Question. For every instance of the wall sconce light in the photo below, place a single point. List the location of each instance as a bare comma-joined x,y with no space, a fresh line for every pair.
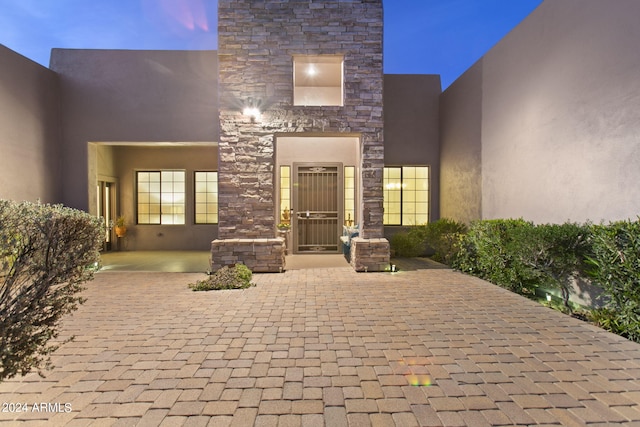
252,109
252,112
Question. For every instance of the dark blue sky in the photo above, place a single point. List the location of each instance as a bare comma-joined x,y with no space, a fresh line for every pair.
421,36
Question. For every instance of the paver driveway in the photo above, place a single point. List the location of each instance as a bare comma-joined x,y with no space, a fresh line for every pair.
328,347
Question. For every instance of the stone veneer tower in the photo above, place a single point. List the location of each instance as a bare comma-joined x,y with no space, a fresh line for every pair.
258,40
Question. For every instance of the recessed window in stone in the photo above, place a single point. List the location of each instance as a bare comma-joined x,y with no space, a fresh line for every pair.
285,195
349,195
318,80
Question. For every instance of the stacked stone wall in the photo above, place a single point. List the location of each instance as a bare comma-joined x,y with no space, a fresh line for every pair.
257,42
370,254
260,255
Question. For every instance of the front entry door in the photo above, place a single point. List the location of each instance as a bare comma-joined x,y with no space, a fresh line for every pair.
317,201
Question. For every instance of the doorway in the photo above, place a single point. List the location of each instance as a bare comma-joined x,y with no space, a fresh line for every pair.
317,190
317,201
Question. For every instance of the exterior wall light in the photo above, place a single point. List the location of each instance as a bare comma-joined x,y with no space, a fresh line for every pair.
252,112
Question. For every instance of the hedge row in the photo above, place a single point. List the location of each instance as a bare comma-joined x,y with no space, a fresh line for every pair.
524,257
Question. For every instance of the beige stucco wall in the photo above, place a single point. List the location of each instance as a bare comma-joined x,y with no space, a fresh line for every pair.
560,116
29,136
131,96
460,151
411,128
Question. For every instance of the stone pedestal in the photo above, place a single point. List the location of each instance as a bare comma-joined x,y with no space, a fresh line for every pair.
370,254
260,255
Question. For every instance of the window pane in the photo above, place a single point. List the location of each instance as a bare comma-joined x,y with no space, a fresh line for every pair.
417,184
206,196
422,172
422,197
158,192
406,195
285,195
394,219
349,196
392,195
408,172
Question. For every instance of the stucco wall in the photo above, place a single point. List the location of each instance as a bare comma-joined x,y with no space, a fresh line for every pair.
561,115
29,133
411,128
131,96
460,151
560,123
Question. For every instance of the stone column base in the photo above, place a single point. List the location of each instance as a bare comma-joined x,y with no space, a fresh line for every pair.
260,255
370,254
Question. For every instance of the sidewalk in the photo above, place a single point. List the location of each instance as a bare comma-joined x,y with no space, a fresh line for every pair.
328,347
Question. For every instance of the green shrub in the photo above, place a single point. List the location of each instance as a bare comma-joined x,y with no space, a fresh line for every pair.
46,253
443,236
557,253
614,264
493,250
237,277
522,257
406,244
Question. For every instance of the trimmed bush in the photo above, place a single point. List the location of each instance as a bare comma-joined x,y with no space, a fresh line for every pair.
614,264
443,236
46,253
407,244
237,277
494,250
557,253
522,257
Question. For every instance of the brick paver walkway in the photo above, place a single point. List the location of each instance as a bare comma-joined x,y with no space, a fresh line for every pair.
328,347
